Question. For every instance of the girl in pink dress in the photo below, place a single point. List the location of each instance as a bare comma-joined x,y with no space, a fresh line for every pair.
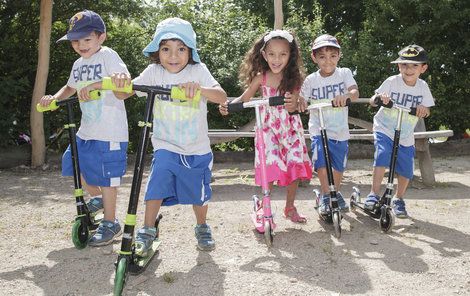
274,66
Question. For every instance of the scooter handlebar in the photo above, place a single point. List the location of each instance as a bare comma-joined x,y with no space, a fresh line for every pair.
378,102
235,107
174,92
55,104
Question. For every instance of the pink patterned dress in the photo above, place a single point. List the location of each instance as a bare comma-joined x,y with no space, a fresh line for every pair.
287,157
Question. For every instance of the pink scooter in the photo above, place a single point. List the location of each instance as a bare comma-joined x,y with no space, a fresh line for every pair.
262,215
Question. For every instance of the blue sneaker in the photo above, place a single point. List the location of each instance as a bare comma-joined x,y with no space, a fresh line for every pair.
343,206
95,205
370,201
144,240
204,237
324,205
105,234
398,206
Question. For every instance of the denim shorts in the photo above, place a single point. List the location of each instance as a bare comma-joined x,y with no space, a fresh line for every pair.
338,151
101,163
180,179
383,153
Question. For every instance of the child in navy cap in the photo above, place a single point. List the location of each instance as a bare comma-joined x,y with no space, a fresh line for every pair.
102,138
407,90
182,160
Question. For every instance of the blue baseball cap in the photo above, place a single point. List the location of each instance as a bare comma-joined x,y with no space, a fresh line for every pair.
82,24
173,28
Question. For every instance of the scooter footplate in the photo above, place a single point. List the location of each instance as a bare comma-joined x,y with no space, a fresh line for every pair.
142,262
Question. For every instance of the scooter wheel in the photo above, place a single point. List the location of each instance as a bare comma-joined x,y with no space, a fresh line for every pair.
387,220
337,224
120,278
268,234
80,234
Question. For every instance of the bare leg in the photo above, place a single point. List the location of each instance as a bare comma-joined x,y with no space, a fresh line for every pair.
377,178
109,203
151,211
201,213
92,190
402,185
323,176
291,191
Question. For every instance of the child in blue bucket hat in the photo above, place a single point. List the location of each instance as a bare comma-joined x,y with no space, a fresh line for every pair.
182,160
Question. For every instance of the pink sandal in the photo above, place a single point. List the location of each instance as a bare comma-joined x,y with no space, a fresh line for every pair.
292,214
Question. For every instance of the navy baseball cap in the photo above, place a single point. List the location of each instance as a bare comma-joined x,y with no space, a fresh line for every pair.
82,24
412,54
173,28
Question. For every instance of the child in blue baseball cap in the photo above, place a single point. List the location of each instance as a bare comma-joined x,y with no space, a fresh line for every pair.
182,160
102,138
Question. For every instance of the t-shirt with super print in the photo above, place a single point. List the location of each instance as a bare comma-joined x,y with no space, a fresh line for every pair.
103,119
179,126
403,95
318,89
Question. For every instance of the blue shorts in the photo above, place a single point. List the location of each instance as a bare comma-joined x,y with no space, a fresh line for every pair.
338,154
180,179
383,153
101,163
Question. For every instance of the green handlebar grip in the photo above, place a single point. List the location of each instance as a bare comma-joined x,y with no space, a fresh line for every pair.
180,94
95,94
108,85
52,106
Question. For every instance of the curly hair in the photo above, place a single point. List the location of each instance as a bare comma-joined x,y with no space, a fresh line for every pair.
254,63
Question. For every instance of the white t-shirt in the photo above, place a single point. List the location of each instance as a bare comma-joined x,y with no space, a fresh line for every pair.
179,126
401,94
104,119
318,89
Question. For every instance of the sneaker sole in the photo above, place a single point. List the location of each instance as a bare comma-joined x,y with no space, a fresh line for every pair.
206,248
108,242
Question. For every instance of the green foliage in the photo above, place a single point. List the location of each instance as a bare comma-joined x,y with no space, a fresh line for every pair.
370,31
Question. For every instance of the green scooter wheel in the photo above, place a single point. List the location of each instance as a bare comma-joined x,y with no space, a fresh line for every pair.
120,278
80,234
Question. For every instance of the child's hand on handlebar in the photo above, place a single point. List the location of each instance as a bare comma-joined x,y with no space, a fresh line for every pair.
290,101
121,80
340,101
422,111
223,108
190,89
84,93
383,96
46,100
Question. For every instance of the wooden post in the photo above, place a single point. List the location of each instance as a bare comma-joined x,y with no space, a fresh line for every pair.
38,152
278,15
424,156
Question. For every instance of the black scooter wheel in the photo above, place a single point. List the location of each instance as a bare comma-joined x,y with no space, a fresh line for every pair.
387,220
80,234
120,278
337,224
268,234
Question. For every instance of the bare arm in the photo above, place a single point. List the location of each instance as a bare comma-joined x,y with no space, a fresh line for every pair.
214,94
65,92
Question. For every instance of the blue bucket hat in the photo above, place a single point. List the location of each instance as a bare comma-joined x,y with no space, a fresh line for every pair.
174,28
82,24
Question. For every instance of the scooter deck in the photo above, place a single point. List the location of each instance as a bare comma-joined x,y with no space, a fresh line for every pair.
373,214
142,262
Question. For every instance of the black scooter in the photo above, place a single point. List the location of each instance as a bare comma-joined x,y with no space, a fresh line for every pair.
85,221
128,261
382,209
334,216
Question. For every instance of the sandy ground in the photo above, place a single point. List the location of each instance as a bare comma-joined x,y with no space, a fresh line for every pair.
428,254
